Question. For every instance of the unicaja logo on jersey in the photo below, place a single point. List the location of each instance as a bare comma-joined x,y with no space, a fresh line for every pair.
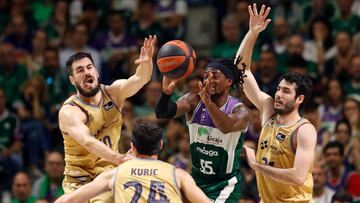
207,152
204,137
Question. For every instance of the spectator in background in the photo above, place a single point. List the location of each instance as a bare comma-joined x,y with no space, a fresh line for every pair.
266,74
317,8
231,32
289,10
12,74
41,12
117,46
318,47
181,159
279,42
10,144
341,196
49,185
90,15
19,36
42,200
345,20
339,65
337,174
21,189
242,16
321,193
171,14
151,95
79,43
351,112
343,136
312,114
330,108
35,60
58,23
296,48
145,23
4,15
33,111
352,85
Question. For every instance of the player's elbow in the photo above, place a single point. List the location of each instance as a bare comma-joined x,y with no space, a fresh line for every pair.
87,143
299,181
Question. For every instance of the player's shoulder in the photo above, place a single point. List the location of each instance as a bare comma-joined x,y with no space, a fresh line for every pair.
69,111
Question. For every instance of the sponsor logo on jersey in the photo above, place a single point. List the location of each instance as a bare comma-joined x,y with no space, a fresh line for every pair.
264,144
108,105
280,136
209,152
206,138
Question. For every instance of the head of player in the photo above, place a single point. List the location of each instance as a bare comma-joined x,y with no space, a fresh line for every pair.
224,74
292,91
83,74
146,140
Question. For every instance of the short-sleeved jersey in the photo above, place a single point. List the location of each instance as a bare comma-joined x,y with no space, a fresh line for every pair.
146,180
275,149
104,122
214,155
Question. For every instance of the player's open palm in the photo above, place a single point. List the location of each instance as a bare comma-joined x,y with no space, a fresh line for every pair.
147,50
258,21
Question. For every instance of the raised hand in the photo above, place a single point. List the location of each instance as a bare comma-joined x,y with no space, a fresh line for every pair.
205,89
147,50
258,21
169,85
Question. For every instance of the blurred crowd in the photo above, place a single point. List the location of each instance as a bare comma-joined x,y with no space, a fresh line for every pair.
318,38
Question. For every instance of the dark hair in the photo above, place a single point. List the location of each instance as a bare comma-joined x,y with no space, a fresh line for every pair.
343,121
303,83
146,137
90,5
334,144
342,196
237,73
143,2
296,60
76,57
328,39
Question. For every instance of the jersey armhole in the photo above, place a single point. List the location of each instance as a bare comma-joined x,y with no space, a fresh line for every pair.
293,135
108,95
194,112
176,183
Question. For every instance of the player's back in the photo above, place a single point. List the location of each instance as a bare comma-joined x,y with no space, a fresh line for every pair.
146,180
104,122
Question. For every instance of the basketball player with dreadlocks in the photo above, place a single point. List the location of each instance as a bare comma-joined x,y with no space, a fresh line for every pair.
217,124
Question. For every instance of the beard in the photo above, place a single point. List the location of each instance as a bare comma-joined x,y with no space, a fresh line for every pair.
288,107
90,93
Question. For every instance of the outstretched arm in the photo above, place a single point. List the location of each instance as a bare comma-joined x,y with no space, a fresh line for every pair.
124,88
304,158
99,185
189,189
261,100
71,121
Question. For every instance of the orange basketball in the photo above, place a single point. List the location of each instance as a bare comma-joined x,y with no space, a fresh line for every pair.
176,59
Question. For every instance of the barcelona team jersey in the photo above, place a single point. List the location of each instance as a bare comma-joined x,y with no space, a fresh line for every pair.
146,180
104,122
275,149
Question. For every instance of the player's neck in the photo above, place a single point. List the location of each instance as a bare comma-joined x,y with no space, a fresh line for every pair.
287,119
95,100
219,100
144,156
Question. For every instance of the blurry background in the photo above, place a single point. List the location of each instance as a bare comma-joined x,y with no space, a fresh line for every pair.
319,38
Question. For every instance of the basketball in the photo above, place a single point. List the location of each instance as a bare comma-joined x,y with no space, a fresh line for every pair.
176,59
